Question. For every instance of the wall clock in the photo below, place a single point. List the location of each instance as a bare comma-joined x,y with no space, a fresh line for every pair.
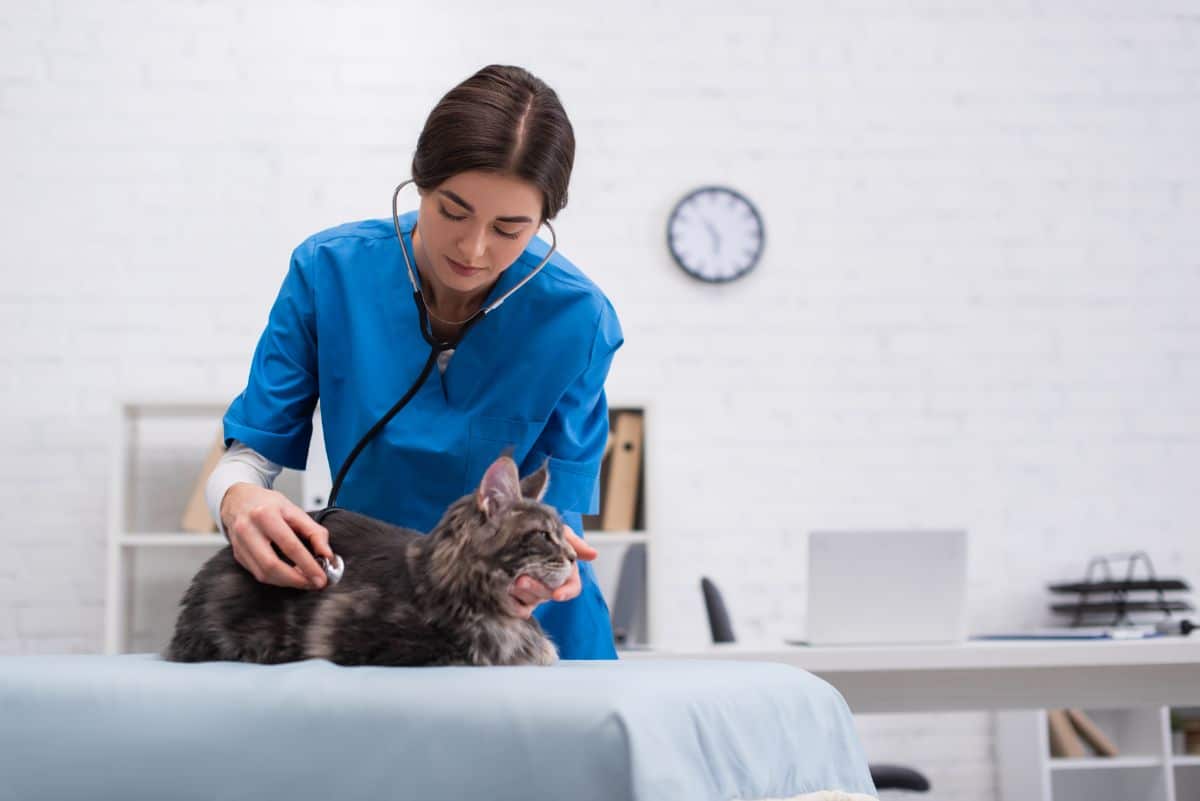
715,234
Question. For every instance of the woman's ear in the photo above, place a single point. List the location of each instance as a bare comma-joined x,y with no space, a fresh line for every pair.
534,485
500,487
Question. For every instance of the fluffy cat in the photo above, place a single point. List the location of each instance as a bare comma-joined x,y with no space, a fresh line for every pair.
405,598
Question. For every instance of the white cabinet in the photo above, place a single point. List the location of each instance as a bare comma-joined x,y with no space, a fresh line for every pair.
1147,768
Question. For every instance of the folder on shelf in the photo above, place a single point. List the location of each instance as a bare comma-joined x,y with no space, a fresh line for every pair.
1091,733
1064,741
625,460
196,517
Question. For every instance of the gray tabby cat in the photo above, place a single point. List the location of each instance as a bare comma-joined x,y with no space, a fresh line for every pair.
405,599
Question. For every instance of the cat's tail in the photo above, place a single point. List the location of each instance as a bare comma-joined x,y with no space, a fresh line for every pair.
191,641
185,648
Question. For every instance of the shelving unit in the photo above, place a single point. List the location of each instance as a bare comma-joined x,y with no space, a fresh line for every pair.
1147,769
158,451
131,531
125,483
615,546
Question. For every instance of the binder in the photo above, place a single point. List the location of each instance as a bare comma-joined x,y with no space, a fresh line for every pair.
196,517
1091,733
621,493
1064,742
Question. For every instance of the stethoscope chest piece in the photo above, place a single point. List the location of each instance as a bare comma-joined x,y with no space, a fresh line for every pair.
333,570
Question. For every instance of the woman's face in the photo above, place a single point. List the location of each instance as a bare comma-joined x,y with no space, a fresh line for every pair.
472,227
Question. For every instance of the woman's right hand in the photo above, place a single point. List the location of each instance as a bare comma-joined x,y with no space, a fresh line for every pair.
254,517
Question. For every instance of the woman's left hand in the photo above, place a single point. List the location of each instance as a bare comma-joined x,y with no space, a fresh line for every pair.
528,592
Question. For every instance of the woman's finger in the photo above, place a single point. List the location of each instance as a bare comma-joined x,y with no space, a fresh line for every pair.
244,558
316,534
529,590
524,600
277,528
569,588
256,556
272,569
582,550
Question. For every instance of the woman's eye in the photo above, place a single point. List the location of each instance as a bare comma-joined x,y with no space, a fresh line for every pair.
450,216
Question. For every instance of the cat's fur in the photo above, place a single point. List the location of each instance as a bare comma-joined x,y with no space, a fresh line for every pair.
405,598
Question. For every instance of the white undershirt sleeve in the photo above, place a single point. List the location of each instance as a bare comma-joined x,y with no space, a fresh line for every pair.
238,464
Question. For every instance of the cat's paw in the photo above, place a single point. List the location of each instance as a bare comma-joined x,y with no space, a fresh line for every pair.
546,654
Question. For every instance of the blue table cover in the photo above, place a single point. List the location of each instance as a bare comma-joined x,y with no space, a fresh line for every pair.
138,727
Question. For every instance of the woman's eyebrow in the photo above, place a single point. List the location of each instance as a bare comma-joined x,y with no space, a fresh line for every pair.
471,208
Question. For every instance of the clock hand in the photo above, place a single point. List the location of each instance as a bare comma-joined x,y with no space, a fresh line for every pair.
712,230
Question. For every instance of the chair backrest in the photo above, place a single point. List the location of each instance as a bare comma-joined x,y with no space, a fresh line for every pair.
718,615
629,601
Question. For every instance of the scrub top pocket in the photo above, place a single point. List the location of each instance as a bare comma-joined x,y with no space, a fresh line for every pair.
488,439
574,486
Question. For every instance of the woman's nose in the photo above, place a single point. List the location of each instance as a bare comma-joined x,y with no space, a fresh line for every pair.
473,246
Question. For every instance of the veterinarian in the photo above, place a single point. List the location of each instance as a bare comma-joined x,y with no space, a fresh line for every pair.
491,167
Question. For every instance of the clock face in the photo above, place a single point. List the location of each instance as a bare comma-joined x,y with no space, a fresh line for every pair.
715,234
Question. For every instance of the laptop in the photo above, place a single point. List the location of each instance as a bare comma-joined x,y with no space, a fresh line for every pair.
887,587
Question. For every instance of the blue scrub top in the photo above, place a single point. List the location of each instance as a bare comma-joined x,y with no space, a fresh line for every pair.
530,375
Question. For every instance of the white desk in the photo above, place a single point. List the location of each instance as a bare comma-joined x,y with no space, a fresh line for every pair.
987,674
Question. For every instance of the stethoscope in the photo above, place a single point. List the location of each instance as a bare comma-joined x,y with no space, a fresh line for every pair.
437,347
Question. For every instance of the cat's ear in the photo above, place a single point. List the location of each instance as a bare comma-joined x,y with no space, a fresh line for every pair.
500,488
535,484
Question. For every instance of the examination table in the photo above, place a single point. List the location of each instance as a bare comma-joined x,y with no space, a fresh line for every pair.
138,727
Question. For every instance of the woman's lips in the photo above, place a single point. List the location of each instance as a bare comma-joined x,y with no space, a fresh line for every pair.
463,270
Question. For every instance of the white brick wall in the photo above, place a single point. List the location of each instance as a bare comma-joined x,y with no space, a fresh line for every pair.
977,305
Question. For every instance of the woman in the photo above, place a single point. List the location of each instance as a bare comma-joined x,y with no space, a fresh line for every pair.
491,167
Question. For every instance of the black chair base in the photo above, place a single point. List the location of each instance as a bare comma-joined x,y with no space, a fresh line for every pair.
895,777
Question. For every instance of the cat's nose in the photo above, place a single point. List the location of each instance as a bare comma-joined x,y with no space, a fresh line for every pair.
570,553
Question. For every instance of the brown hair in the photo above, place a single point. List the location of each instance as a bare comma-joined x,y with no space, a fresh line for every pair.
501,119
